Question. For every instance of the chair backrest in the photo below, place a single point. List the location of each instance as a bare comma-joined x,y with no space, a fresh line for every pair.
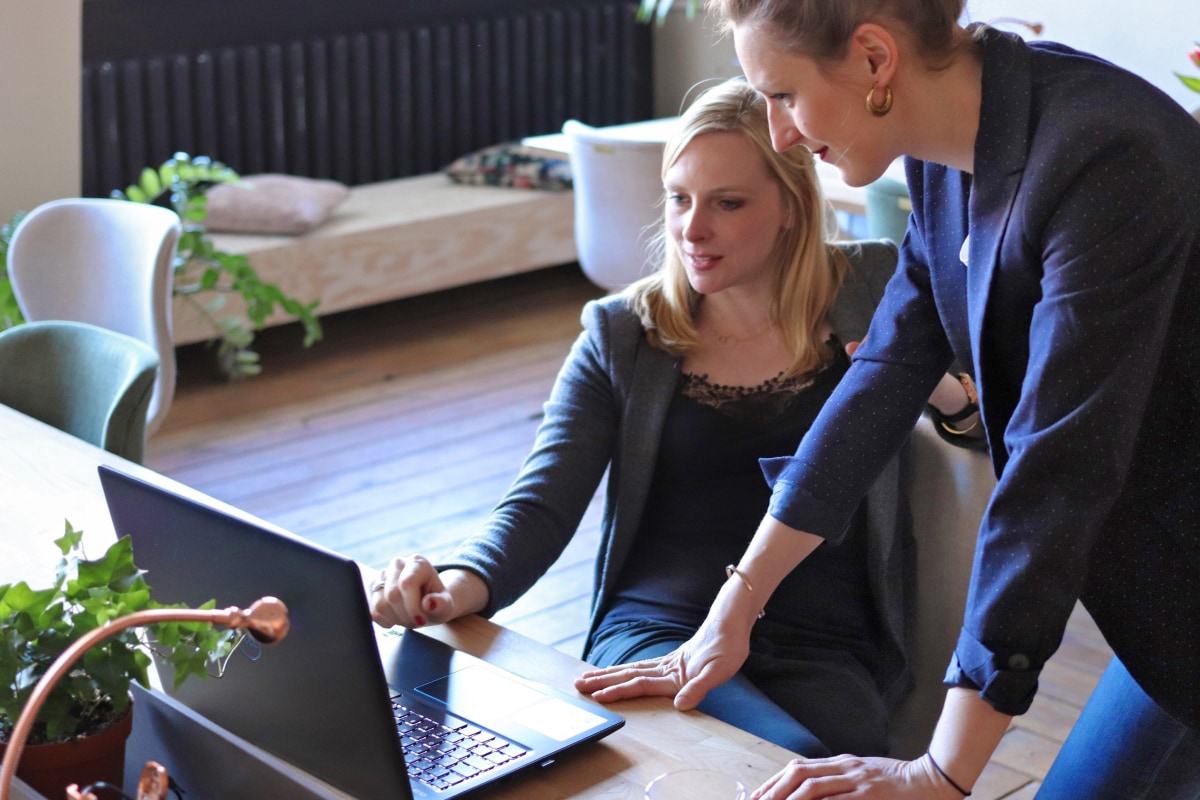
888,209
618,203
104,262
83,379
948,490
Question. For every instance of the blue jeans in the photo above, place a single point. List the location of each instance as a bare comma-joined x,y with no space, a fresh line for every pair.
1124,747
815,702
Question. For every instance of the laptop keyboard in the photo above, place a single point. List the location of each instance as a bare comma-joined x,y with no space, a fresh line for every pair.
444,753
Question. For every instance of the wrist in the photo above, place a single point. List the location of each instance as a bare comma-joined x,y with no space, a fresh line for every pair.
941,777
955,397
469,594
735,610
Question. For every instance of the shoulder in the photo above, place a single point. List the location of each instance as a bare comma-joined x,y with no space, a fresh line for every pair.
612,324
1071,96
612,312
871,264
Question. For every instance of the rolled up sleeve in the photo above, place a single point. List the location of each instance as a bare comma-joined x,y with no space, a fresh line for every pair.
1007,681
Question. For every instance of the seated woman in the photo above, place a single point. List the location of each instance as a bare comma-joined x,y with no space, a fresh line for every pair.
677,386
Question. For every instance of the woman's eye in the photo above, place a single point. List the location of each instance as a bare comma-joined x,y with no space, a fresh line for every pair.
730,205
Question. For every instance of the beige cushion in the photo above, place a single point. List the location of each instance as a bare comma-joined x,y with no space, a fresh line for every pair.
279,204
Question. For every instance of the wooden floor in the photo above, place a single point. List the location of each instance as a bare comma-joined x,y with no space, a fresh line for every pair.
399,432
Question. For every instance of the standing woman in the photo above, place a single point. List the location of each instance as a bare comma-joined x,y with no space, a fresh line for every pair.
1054,250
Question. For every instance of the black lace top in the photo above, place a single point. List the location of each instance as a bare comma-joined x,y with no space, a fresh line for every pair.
707,498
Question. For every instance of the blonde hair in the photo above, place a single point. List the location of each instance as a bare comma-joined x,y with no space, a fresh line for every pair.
821,29
808,270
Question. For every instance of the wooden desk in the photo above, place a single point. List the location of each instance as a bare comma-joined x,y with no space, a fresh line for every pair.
47,475
841,196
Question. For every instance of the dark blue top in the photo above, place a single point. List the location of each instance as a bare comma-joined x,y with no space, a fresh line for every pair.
706,500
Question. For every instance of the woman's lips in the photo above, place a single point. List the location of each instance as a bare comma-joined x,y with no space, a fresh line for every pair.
703,262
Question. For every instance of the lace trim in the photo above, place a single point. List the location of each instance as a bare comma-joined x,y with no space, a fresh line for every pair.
766,402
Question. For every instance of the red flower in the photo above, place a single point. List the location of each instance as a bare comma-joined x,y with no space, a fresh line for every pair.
1188,81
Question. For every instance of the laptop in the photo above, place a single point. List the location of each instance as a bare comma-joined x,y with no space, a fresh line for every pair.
380,715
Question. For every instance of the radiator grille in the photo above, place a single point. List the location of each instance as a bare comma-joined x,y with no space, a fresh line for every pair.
366,106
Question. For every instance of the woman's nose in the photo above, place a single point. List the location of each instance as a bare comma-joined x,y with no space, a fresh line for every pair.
784,133
695,227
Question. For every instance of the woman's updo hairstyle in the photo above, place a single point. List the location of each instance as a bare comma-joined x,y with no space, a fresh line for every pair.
820,29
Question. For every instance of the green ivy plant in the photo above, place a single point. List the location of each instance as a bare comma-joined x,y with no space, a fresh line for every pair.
657,10
204,275
37,625
10,312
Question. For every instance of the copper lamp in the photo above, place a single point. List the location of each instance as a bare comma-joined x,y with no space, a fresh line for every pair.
266,620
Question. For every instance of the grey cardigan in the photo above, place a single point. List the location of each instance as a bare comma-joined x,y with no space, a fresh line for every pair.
606,411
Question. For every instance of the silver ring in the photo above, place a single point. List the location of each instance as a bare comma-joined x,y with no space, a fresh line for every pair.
377,587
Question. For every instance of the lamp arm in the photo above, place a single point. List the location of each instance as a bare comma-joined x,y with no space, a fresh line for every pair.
266,620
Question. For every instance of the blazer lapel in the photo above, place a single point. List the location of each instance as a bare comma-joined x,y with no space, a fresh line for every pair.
1000,156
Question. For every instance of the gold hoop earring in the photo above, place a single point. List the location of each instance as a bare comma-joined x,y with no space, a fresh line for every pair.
884,107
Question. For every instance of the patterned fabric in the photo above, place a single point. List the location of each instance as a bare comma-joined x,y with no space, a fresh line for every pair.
511,165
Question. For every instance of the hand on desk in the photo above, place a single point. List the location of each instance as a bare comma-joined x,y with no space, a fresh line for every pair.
687,674
411,593
878,778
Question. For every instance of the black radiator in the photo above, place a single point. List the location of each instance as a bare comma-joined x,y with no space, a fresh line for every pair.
356,100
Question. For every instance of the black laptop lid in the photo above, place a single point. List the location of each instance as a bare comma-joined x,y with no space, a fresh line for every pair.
325,706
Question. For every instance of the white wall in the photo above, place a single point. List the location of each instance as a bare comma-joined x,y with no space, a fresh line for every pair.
1149,37
687,52
40,96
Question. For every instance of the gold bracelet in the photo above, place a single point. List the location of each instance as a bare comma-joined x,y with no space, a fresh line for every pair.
730,571
968,429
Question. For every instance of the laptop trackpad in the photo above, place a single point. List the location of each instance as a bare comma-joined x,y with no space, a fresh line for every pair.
481,691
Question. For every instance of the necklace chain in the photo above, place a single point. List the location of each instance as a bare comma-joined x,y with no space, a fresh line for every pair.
731,340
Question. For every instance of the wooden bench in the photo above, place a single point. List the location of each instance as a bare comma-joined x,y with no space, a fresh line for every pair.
401,238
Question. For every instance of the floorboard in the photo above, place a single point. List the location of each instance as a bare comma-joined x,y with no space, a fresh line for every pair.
400,431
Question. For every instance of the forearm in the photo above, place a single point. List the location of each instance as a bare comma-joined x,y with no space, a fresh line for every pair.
775,551
967,734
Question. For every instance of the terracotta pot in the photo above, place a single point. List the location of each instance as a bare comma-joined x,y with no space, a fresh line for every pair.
50,768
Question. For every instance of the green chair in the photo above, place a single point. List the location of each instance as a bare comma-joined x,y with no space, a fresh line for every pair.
888,208
88,381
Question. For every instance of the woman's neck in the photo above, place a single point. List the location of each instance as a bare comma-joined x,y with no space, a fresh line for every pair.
940,118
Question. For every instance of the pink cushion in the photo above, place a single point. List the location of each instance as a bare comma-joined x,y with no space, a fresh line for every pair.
273,204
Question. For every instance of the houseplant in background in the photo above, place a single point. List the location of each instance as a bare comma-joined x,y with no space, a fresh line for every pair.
10,312
1189,81
204,275
38,625
658,10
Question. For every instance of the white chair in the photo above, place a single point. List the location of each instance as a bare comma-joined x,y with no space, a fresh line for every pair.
949,489
105,262
618,203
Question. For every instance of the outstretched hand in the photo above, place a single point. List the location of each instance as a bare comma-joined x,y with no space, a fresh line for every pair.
866,778
687,673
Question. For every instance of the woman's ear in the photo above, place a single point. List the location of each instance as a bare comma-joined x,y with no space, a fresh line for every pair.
874,49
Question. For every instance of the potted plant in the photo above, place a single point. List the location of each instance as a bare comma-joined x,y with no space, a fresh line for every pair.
204,275
92,701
